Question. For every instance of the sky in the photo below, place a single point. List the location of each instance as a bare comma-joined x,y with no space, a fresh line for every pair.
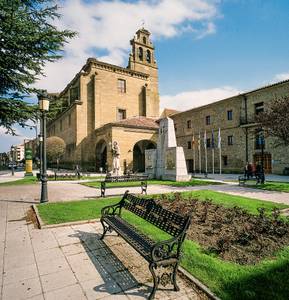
206,50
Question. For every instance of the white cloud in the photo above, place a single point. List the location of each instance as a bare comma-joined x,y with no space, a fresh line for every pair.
190,99
107,26
281,77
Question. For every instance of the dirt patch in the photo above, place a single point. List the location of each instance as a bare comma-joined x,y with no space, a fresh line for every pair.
232,233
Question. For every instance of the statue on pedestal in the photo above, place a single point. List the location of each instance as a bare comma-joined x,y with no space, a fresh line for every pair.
116,159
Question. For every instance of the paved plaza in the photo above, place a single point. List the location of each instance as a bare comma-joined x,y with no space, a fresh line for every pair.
70,262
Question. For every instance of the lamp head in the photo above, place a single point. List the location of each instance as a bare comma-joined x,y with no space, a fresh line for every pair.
43,100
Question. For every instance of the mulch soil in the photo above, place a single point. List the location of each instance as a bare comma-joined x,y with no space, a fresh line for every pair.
232,233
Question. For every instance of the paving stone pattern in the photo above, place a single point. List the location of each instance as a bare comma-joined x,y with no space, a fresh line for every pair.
71,263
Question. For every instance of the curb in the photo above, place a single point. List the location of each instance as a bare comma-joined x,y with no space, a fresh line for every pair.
198,283
41,224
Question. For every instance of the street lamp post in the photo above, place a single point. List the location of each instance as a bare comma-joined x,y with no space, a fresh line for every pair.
12,160
43,102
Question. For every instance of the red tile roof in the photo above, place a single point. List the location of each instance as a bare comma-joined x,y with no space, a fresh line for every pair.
140,122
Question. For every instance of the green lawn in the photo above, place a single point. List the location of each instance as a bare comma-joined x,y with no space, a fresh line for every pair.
271,186
25,180
32,180
266,280
61,212
193,182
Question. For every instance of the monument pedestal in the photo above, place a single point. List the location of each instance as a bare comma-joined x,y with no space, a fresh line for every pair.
167,162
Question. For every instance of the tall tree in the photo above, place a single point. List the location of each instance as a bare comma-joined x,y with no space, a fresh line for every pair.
275,120
28,39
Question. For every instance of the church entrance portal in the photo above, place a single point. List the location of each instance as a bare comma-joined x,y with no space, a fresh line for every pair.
139,154
101,156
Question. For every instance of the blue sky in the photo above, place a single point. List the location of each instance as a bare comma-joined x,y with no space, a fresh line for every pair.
206,50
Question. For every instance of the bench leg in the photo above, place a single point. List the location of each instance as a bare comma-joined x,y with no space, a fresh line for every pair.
155,279
105,229
174,278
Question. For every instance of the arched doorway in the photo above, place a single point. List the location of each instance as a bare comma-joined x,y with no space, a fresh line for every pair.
139,154
101,156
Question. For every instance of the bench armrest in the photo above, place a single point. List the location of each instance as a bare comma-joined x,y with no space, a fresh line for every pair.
166,249
111,210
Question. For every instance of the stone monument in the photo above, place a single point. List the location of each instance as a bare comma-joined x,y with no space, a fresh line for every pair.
167,162
116,169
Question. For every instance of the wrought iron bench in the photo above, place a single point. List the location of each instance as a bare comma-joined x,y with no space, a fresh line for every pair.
164,256
242,180
259,179
125,178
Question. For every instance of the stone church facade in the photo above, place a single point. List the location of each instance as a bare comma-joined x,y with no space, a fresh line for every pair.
104,103
240,134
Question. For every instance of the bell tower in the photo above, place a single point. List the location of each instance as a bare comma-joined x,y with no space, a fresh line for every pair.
142,59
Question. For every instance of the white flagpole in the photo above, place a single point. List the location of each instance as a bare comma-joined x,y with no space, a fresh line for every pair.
220,149
213,160
194,155
213,152
206,156
200,159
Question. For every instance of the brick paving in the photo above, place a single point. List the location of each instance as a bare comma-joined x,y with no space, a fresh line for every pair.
70,263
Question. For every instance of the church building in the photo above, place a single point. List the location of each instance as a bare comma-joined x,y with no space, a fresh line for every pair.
104,103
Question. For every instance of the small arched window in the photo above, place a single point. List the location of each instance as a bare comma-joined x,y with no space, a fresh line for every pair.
140,53
144,40
148,56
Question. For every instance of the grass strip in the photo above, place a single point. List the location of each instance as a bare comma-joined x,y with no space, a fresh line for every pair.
271,186
193,182
23,181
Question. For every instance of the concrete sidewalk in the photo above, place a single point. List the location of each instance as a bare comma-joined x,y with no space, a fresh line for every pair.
70,263
69,191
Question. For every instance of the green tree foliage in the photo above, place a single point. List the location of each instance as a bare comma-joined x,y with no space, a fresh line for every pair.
55,147
275,120
28,39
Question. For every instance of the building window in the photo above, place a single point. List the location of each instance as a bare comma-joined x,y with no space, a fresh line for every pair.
259,107
69,119
140,53
229,115
189,145
208,143
225,160
148,56
144,40
74,93
208,120
189,124
230,140
121,114
121,86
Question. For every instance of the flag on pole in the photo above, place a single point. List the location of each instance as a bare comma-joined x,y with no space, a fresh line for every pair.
220,149
199,150
219,138
194,154
193,141
205,146
213,152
